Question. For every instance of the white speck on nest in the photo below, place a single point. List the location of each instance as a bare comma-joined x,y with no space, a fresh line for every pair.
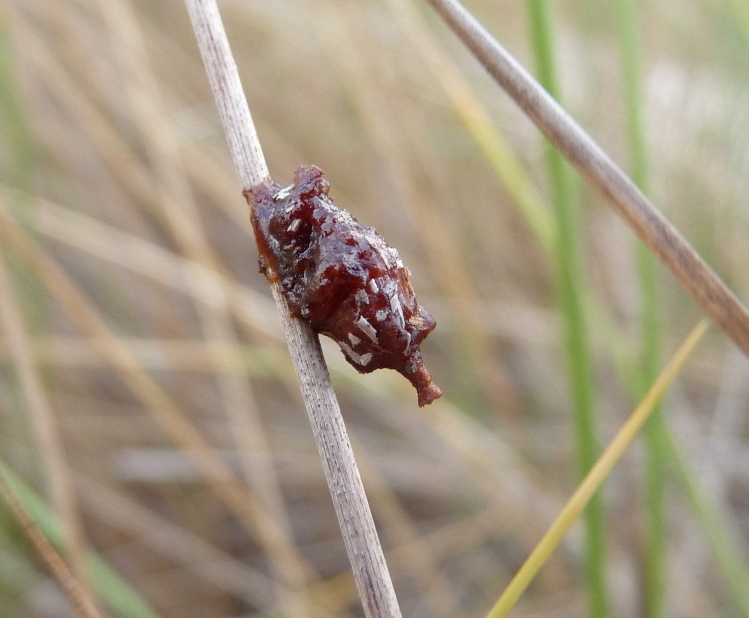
283,193
395,305
367,329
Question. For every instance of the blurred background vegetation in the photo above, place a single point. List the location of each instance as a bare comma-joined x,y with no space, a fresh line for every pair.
141,359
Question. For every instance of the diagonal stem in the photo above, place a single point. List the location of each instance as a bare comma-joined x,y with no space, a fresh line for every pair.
354,516
599,170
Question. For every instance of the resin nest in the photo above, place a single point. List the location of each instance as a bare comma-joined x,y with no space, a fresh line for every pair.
342,277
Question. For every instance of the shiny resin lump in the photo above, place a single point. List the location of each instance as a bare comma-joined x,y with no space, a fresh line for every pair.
342,277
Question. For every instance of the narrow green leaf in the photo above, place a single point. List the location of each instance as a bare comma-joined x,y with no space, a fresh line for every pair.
570,285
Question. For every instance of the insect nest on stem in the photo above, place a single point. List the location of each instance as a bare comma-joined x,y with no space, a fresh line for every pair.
342,277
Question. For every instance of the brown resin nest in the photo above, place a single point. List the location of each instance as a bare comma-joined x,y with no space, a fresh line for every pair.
342,277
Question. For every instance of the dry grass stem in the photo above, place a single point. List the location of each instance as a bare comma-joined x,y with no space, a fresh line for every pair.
354,516
600,171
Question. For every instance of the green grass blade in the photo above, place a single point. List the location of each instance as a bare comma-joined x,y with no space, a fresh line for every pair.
570,292
108,585
655,530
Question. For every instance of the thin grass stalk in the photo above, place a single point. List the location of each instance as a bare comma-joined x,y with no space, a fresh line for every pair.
344,481
79,599
109,586
601,173
570,286
598,473
655,495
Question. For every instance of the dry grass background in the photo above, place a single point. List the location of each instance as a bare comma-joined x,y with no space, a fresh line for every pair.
152,335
